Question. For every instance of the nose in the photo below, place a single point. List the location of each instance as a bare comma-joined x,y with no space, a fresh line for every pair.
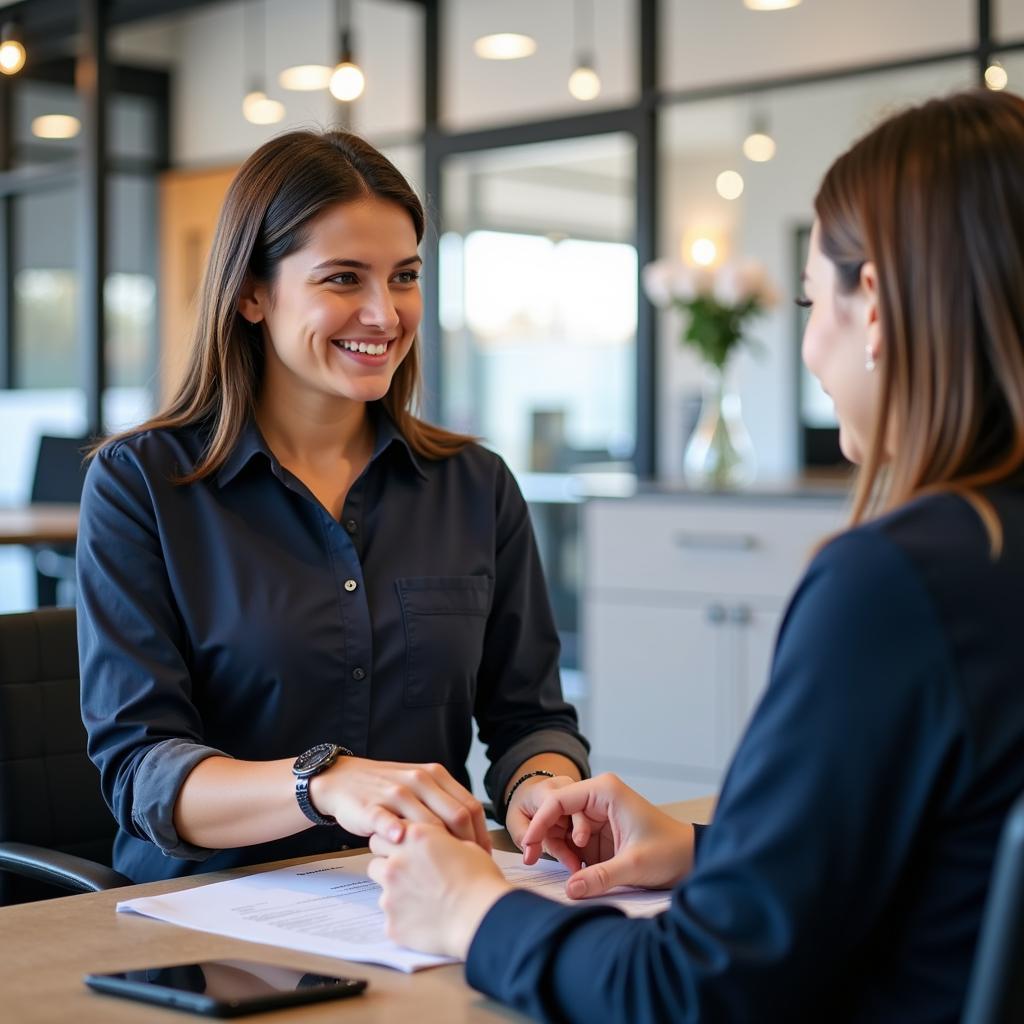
379,311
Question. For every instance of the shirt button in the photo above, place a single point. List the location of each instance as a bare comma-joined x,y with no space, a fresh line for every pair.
351,525
358,674
350,585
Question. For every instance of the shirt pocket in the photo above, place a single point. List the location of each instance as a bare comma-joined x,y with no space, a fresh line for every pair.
445,618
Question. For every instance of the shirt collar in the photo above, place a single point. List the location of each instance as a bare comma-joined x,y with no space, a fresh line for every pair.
388,434
251,443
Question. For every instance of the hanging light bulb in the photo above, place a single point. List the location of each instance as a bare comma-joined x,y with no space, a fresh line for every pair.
759,146
257,106
996,77
347,81
12,51
703,252
729,184
584,83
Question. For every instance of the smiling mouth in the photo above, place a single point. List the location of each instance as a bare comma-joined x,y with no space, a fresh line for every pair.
363,346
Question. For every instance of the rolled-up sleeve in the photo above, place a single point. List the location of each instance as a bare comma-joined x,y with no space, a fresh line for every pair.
144,733
519,708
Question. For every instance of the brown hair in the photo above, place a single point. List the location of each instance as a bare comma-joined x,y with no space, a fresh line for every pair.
934,197
265,217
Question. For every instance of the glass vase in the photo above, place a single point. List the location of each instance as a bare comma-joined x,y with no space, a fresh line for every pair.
719,454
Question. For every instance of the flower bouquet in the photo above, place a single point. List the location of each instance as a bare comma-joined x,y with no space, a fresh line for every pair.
716,305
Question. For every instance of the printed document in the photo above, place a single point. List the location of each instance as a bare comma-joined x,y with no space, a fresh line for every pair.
329,907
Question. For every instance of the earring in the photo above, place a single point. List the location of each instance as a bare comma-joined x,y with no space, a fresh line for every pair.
869,362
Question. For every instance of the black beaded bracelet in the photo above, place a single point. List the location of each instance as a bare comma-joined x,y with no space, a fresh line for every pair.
522,779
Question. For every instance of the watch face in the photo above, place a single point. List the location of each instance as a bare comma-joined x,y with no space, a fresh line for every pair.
314,759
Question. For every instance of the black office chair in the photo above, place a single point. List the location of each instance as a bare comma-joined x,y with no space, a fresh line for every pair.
56,833
995,994
59,477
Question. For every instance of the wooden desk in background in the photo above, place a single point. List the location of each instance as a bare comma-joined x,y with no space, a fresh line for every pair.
39,524
47,947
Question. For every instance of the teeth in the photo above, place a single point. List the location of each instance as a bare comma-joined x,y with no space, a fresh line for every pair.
361,346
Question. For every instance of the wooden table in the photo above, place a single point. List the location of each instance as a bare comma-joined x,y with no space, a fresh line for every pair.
46,948
39,524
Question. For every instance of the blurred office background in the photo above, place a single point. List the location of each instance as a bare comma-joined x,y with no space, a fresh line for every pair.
548,191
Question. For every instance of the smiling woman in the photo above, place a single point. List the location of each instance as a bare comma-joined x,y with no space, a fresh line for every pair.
288,560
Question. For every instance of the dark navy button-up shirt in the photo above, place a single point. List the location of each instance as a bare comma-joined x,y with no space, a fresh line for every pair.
845,873
235,615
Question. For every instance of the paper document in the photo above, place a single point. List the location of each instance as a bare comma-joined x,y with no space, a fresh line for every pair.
329,907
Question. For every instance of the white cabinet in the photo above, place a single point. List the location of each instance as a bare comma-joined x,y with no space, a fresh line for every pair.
682,602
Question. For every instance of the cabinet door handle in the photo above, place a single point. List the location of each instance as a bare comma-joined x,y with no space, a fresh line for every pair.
690,540
740,614
715,614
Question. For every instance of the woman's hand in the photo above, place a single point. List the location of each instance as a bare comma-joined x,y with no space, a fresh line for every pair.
525,801
380,797
619,837
437,888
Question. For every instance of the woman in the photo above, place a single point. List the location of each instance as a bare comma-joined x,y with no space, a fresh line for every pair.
845,873
294,594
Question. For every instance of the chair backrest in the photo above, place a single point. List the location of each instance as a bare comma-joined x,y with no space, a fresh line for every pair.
60,469
996,991
49,789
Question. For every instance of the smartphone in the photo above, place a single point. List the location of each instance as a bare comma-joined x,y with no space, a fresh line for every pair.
225,988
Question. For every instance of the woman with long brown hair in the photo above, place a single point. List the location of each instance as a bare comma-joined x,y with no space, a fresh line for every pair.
294,594
845,873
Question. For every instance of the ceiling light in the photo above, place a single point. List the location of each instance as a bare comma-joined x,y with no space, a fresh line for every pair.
770,5
703,252
347,79
347,82
12,52
258,108
996,77
504,46
584,83
729,184
305,77
56,126
759,147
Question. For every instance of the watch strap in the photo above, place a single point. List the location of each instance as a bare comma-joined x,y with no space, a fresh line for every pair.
305,803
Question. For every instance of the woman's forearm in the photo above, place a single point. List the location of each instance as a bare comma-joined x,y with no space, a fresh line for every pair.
226,803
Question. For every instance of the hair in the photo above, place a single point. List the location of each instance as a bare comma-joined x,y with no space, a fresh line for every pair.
266,216
934,198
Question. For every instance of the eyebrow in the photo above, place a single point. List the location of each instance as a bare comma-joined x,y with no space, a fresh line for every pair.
364,266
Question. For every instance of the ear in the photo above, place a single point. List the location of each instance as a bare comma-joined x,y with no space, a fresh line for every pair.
252,301
871,309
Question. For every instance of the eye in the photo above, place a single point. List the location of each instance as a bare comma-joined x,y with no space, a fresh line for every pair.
407,276
346,277
802,302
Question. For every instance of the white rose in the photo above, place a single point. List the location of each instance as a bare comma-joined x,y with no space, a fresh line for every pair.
728,287
657,277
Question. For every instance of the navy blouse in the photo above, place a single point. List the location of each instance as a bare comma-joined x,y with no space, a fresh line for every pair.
236,615
845,873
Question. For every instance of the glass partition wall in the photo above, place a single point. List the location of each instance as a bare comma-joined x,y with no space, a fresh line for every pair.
544,205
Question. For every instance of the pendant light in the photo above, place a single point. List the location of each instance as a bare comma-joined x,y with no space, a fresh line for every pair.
759,146
257,107
584,83
348,80
12,50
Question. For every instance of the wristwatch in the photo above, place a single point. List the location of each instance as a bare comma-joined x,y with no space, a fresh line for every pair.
313,762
